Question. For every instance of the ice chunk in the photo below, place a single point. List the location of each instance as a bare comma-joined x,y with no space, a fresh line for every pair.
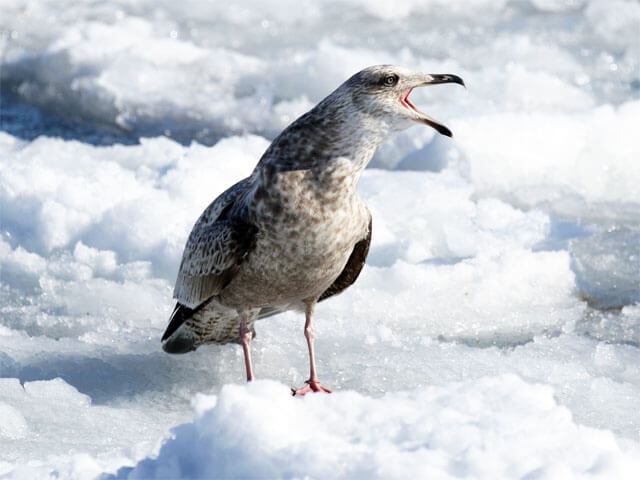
608,266
13,424
57,390
548,158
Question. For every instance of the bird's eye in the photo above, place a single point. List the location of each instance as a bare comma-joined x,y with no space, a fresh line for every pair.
390,80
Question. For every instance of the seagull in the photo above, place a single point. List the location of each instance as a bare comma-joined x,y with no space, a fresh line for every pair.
294,232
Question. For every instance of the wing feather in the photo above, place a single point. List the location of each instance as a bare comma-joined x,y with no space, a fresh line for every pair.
352,269
216,247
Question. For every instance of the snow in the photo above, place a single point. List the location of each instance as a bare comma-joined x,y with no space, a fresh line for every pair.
490,428
495,330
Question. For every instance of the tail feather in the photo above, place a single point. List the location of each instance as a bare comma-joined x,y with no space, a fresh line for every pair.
180,315
179,343
191,327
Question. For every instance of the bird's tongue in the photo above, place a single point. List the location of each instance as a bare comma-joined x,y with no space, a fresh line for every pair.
407,103
423,117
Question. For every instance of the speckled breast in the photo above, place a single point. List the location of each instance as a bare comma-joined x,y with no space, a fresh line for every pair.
306,232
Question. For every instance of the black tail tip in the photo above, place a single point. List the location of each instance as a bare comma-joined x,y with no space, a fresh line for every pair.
179,344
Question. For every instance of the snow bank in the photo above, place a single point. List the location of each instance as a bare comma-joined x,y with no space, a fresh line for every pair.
491,428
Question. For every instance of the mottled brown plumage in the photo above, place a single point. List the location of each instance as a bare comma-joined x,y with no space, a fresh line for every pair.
295,231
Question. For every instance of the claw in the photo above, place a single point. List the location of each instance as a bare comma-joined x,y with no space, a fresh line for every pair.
310,387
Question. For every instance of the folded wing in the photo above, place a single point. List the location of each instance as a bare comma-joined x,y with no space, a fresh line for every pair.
219,242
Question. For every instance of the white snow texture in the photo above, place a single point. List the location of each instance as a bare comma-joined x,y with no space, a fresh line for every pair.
495,330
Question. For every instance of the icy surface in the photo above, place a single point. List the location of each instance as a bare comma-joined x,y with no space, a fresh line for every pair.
495,331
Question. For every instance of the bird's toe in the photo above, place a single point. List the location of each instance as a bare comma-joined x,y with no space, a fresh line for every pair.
310,387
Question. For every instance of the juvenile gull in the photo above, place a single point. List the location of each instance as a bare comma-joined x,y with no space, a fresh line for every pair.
294,232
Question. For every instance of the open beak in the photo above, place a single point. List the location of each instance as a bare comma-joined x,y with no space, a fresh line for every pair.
421,117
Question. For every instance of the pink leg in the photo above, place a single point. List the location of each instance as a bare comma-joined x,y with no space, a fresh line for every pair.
245,338
313,384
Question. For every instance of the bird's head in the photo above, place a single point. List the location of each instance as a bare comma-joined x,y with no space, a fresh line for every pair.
382,91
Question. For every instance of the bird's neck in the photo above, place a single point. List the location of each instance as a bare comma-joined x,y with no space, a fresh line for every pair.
325,133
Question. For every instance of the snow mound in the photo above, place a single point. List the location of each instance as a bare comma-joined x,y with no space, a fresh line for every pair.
497,427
